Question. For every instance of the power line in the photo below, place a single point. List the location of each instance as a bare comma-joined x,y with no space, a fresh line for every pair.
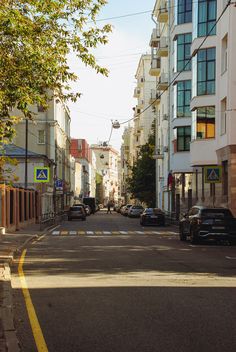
183,69
123,16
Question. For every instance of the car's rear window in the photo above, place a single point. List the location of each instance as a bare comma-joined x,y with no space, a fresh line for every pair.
217,213
76,208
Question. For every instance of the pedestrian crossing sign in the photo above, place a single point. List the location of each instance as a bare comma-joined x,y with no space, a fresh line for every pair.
213,174
41,174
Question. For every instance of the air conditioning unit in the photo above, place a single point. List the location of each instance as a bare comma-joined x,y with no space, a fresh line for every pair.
165,117
165,149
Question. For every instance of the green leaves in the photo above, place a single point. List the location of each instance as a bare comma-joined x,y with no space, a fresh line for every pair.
35,39
142,182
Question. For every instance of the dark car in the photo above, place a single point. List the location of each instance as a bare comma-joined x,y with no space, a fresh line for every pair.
152,216
76,212
207,223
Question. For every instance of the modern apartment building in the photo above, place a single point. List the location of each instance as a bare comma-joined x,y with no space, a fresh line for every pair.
197,102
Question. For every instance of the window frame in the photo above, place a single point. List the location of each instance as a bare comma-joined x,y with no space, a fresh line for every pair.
186,104
206,108
185,12
185,46
208,22
44,137
208,62
185,136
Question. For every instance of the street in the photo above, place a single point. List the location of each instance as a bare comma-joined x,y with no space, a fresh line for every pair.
108,284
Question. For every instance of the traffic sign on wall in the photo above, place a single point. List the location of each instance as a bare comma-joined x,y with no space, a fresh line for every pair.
213,174
41,174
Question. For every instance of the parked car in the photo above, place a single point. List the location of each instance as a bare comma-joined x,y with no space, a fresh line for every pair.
76,212
135,211
122,209
80,205
152,216
126,209
207,223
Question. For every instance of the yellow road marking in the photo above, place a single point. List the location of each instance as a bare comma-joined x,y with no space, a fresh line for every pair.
115,232
64,233
37,332
98,232
81,232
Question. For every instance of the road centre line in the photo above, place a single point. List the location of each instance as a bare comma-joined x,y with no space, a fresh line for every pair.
36,329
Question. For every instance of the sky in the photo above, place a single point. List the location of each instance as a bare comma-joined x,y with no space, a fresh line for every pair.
111,98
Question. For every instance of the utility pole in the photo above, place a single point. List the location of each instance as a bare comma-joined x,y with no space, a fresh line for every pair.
26,152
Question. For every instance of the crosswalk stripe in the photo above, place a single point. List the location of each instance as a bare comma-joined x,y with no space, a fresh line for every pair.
81,232
90,232
115,232
73,233
107,232
98,232
123,232
63,233
139,232
55,232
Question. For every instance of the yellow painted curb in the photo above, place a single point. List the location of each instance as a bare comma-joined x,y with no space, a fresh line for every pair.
36,329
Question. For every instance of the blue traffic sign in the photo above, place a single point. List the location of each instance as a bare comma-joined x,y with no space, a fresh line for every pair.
41,174
213,174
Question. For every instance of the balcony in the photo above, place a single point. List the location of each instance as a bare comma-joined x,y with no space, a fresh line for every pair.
163,12
136,92
154,97
162,82
203,152
141,81
155,38
162,50
155,68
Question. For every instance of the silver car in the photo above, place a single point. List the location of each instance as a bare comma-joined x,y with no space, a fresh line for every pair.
76,212
135,211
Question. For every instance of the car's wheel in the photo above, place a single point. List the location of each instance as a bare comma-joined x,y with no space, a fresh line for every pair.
194,239
182,235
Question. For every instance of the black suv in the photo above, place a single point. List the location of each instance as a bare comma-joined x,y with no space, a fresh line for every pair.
207,223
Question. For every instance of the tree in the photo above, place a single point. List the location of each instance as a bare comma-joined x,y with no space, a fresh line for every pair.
141,184
35,39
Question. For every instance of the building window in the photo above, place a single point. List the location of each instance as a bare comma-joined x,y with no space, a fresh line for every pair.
183,98
206,122
184,11
183,52
224,54
223,116
206,60
41,137
183,138
206,17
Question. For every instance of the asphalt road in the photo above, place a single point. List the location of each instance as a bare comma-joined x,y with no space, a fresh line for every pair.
108,284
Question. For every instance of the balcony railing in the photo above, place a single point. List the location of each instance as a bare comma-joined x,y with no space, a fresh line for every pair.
155,67
163,82
155,37
162,49
155,96
163,12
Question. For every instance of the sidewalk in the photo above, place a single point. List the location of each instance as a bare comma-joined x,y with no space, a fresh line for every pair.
11,244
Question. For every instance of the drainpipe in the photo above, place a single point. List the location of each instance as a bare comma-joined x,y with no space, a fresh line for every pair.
169,100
